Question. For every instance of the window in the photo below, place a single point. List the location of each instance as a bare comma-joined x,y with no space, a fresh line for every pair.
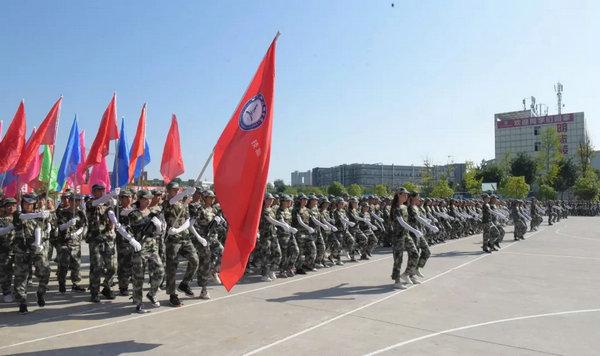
536,131
538,146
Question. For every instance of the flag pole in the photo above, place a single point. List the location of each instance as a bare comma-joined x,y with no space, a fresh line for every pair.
52,149
204,167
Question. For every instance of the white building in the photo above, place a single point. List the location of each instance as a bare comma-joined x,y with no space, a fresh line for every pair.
520,131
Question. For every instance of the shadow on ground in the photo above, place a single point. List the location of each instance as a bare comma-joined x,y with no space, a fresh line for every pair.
110,349
339,292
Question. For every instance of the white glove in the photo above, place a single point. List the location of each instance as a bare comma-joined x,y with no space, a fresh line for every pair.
418,233
82,206
72,222
37,243
116,192
334,229
293,230
435,229
326,228
8,228
218,219
137,247
311,230
351,223
189,191
45,214
157,223
202,241
374,228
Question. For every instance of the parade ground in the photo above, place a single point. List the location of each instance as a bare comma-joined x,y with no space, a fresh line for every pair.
537,296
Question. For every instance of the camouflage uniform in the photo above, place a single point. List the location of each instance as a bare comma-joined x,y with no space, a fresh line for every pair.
488,227
6,255
402,242
268,243
148,258
343,236
124,252
27,258
305,239
520,226
420,242
412,241
178,245
206,226
68,243
359,236
319,239
101,240
287,241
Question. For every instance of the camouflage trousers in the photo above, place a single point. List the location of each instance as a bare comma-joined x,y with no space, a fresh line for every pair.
103,263
520,229
361,241
404,243
335,242
147,259
204,257
271,254
423,249
69,259
348,242
216,253
180,246
289,251
308,251
124,264
501,233
6,271
536,220
372,241
24,262
320,244
490,234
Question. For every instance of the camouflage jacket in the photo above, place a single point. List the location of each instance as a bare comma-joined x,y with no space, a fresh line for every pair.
69,237
6,239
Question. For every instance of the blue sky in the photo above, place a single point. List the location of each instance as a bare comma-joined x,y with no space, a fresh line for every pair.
357,81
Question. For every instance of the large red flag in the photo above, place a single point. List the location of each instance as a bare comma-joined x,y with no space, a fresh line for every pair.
100,174
171,165
13,142
241,167
106,132
44,135
139,143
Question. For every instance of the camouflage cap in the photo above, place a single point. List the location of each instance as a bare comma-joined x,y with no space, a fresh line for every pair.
312,197
269,196
124,193
7,201
30,198
172,185
301,196
144,194
208,193
402,190
98,186
324,200
286,197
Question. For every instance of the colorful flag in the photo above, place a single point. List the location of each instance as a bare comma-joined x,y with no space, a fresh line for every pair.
106,132
241,166
171,165
142,162
100,174
72,157
13,142
45,134
48,172
120,173
138,145
79,178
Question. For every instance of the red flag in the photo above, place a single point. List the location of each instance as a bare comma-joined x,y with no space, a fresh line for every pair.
171,165
241,167
13,142
45,135
139,143
106,132
100,174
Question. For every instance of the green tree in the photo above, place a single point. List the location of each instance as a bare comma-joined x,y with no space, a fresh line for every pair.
524,166
381,190
290,190
279,185
442,190
546,192
336,188
514,187
491,173
585,152
427,180
567,175
549,155
355,190
587,186
411,187
471,183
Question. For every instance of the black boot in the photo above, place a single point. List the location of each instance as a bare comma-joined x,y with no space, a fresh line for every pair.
40,299
62,288
174,300
76,288
23,309
486,249
183,287
108,293
497,244
124,292
95,298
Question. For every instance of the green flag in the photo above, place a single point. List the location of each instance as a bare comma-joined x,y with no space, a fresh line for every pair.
45,174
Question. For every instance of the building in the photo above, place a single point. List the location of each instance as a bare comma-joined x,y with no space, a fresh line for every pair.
520,131
394,176
301,178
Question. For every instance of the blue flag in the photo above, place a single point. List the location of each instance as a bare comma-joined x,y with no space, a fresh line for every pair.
72,157
120,173
142,161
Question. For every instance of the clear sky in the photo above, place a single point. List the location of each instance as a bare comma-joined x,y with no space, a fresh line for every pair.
357,81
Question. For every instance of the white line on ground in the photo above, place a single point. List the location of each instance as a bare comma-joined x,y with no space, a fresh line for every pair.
377,301
550,255
428,336
574,236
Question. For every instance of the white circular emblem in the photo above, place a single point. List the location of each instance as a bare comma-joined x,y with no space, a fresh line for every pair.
253,113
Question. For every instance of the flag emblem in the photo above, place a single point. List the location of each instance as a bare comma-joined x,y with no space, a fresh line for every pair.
253,113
